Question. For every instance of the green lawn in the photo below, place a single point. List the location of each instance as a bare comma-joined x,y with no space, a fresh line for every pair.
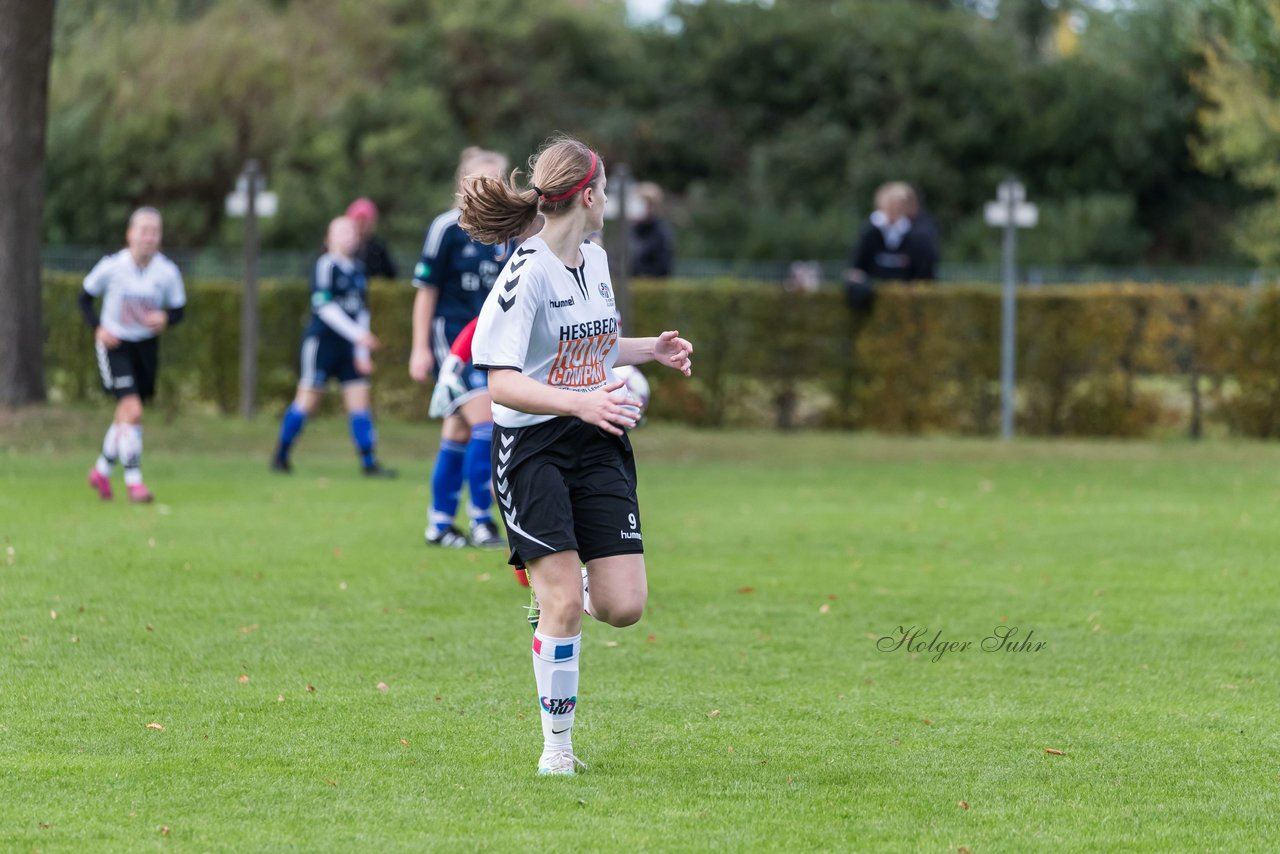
749,710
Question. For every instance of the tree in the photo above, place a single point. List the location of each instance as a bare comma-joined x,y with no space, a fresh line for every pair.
26,38
1241,82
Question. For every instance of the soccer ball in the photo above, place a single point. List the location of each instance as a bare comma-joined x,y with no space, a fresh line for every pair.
637,387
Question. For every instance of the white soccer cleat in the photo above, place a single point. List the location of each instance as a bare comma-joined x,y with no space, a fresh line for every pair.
559,763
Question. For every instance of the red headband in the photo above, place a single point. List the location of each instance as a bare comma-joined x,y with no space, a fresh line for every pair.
590,174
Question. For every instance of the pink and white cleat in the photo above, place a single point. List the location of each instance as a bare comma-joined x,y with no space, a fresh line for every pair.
139,494
100,484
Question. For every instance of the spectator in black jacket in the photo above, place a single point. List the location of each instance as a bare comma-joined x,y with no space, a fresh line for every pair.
373,252
890,247
653,244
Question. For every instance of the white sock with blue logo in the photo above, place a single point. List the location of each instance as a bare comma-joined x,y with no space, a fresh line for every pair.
555,667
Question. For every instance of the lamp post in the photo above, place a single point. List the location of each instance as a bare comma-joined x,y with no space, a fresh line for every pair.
1009,211
250,200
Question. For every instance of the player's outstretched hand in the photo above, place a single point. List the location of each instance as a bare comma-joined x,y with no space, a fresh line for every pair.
608,413
106,338
369,341
420,364
156,321
674,352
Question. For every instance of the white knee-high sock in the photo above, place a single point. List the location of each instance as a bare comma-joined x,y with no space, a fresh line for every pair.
110,451
130,444
586,594
555,668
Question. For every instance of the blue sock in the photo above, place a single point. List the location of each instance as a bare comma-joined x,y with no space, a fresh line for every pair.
446,483
363,434
479,468
294,420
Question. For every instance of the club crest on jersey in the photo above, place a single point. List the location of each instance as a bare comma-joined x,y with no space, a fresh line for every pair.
558,705
606,293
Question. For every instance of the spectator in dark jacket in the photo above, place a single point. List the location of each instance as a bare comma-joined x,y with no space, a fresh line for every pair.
373,252
653,245
890,248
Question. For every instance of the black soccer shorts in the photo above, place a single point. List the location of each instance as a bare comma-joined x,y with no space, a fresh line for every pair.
328,357
565,485
129,368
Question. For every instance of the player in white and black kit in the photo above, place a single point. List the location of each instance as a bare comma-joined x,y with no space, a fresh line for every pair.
563,470
142,295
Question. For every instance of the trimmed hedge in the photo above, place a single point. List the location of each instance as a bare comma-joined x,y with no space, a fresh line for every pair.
1099,360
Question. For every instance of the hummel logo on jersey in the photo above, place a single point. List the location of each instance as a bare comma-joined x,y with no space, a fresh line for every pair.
631,535
560,303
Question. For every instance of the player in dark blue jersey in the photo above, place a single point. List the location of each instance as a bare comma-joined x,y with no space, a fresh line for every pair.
336,346
453,279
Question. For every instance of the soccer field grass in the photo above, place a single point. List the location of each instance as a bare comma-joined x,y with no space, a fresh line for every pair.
252,618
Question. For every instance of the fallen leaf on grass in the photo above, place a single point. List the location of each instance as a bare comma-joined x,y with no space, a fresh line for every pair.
927,721
1054,751
332,782
337,552
164,830
714,713
150,627
483,577
244,630
652,638
610,644
833,597
404,742
439,698
151,541
75,639
311,689
746,590
342,585
154,725
964,849
53,615
280,698
383,687
964,805
824,609
730,750
244,678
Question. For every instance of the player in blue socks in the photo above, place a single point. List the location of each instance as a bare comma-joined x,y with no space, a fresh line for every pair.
453,277
337,346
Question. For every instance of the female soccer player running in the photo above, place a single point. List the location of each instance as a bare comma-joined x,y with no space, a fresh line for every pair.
142,296
336,346
563,468
453,277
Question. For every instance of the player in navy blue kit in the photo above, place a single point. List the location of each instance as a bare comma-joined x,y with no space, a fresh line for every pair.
336,346
453,278
564,473
142,295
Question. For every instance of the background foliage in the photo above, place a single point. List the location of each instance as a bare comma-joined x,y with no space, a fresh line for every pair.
1104,360
770,124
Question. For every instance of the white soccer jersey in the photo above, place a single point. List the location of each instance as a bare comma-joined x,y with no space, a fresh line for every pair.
128,292
555,324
